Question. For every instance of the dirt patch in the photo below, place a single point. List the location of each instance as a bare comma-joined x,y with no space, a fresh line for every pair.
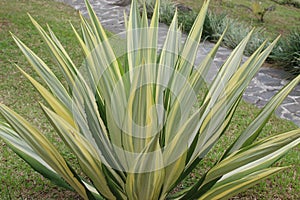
4,23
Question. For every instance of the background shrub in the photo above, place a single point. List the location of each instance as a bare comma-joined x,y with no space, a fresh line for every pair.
216,24
287,52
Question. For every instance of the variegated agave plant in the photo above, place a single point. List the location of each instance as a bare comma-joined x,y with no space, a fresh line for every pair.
130,118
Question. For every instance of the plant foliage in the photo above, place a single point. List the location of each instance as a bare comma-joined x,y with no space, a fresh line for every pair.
129,116
287,52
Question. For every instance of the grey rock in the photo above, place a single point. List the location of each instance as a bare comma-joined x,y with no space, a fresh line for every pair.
251,99
122,3
268,80
289,100
292,108
253,89
261,103
266,96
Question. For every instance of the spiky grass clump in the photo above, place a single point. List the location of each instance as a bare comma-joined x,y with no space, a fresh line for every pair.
129,117
287,52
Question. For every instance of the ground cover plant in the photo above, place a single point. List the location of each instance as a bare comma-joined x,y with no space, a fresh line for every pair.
233,128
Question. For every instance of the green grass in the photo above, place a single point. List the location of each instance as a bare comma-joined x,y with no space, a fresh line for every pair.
18,180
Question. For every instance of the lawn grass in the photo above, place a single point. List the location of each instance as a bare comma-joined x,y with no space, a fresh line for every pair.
18,180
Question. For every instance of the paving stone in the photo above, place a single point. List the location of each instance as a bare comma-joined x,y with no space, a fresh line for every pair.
297,122
268,80
251,99
293,108
288,100
295,93
261,103
267,95
276,73
287,116
253,89
279,111
297,99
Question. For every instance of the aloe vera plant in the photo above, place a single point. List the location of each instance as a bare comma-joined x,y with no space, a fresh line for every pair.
138,121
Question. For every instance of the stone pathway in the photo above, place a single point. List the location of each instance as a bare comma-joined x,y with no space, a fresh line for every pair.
266,83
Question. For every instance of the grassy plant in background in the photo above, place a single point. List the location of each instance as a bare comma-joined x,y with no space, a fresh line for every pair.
287,52
130,120
167,7
216,24
186,16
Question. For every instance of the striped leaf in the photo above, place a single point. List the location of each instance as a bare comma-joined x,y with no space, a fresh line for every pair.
132,117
